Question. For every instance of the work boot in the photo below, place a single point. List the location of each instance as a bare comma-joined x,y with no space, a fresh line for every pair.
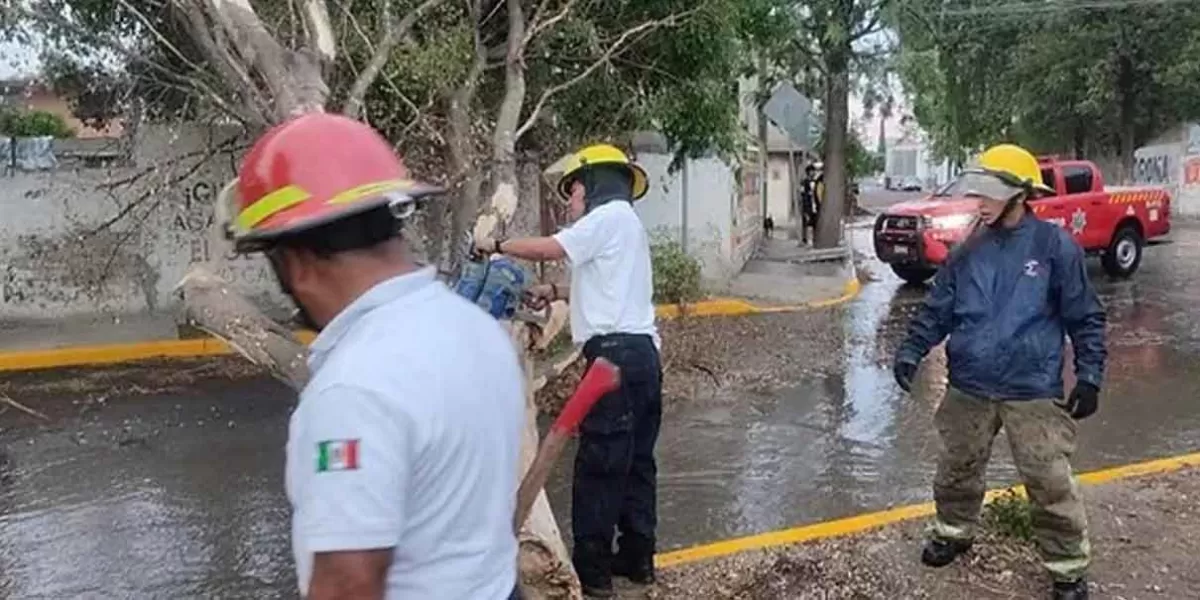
593,563
939,553
635,559
1071,590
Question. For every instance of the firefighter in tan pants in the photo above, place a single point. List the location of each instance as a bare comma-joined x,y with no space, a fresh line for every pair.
1006,298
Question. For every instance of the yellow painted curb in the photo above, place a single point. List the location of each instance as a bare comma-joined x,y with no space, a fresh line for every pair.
729,307
875,520
74,356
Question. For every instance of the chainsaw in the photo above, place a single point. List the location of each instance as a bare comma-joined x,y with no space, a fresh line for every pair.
496,284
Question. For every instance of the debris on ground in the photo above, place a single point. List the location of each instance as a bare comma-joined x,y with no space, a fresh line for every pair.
1133,557
704,357
95,386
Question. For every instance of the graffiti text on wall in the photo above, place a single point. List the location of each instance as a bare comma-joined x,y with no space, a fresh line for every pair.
1152,169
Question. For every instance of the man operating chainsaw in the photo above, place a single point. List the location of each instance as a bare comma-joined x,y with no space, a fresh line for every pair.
612,316
403,452
1006,298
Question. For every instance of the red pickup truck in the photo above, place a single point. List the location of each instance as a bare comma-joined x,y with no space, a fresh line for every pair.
915,237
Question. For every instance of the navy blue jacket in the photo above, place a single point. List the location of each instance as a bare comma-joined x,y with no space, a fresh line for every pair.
1006,304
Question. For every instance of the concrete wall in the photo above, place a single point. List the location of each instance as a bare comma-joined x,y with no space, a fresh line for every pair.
113,241
779,189
722,225
907,159
1173,162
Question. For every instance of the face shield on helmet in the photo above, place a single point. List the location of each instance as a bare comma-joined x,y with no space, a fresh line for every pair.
988,185
998,193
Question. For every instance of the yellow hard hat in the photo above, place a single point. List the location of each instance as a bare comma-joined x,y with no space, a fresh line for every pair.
602,154
1015,166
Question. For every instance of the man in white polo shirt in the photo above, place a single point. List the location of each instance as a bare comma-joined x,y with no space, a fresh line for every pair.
612,315
402,455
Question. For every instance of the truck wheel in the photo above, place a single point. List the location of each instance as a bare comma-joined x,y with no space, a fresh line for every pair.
1124,254
914,275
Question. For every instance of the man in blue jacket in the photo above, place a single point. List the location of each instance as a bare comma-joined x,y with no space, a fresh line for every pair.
1006,298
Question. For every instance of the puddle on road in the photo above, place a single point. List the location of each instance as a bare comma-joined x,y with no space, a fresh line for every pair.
193,509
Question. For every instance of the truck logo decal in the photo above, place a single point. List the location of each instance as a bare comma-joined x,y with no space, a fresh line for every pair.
1078,221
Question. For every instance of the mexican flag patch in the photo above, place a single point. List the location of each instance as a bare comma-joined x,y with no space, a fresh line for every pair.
337,455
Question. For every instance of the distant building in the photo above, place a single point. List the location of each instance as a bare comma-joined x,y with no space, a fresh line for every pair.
31,94
911,156
785,168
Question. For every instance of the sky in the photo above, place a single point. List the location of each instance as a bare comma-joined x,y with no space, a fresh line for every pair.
870,129
17,61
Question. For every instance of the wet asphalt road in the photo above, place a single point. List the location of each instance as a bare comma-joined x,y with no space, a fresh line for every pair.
138,488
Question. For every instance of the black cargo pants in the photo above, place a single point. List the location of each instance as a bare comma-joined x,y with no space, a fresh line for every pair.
615,486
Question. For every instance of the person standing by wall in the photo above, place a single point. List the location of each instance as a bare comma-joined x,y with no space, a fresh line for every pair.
612,316
810,202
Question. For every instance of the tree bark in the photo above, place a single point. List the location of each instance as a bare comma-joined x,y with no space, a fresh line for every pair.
546,570
837,116
460,151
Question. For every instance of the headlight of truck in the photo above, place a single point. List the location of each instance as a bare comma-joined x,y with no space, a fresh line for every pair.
952,221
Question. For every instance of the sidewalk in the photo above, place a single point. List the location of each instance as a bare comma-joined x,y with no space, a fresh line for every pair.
784,273
86,331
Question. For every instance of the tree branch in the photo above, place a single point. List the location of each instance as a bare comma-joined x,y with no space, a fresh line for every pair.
362,34
212,41
295,79
538,26
640,31
192,83
319,30
505,135
874,25
394,34
156,191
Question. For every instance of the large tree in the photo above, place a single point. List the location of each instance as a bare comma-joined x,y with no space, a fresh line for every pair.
467,88
832,43
1073,78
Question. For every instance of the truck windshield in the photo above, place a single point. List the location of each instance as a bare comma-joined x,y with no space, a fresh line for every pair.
948,189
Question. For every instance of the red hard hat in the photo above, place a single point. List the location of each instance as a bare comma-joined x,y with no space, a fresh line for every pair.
310,171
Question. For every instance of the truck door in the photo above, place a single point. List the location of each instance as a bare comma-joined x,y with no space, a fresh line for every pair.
1052,209
1088,211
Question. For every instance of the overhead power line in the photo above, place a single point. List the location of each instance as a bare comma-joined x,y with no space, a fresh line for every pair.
1052,6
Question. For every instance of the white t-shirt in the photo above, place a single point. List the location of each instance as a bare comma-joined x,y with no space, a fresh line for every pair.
408,437
612,285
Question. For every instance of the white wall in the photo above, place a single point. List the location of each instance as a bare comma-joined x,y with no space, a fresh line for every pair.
64,253
717,232
1174,164
779,189
915,160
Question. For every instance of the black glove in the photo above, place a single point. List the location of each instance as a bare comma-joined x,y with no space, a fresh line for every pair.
1083,401
905,372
